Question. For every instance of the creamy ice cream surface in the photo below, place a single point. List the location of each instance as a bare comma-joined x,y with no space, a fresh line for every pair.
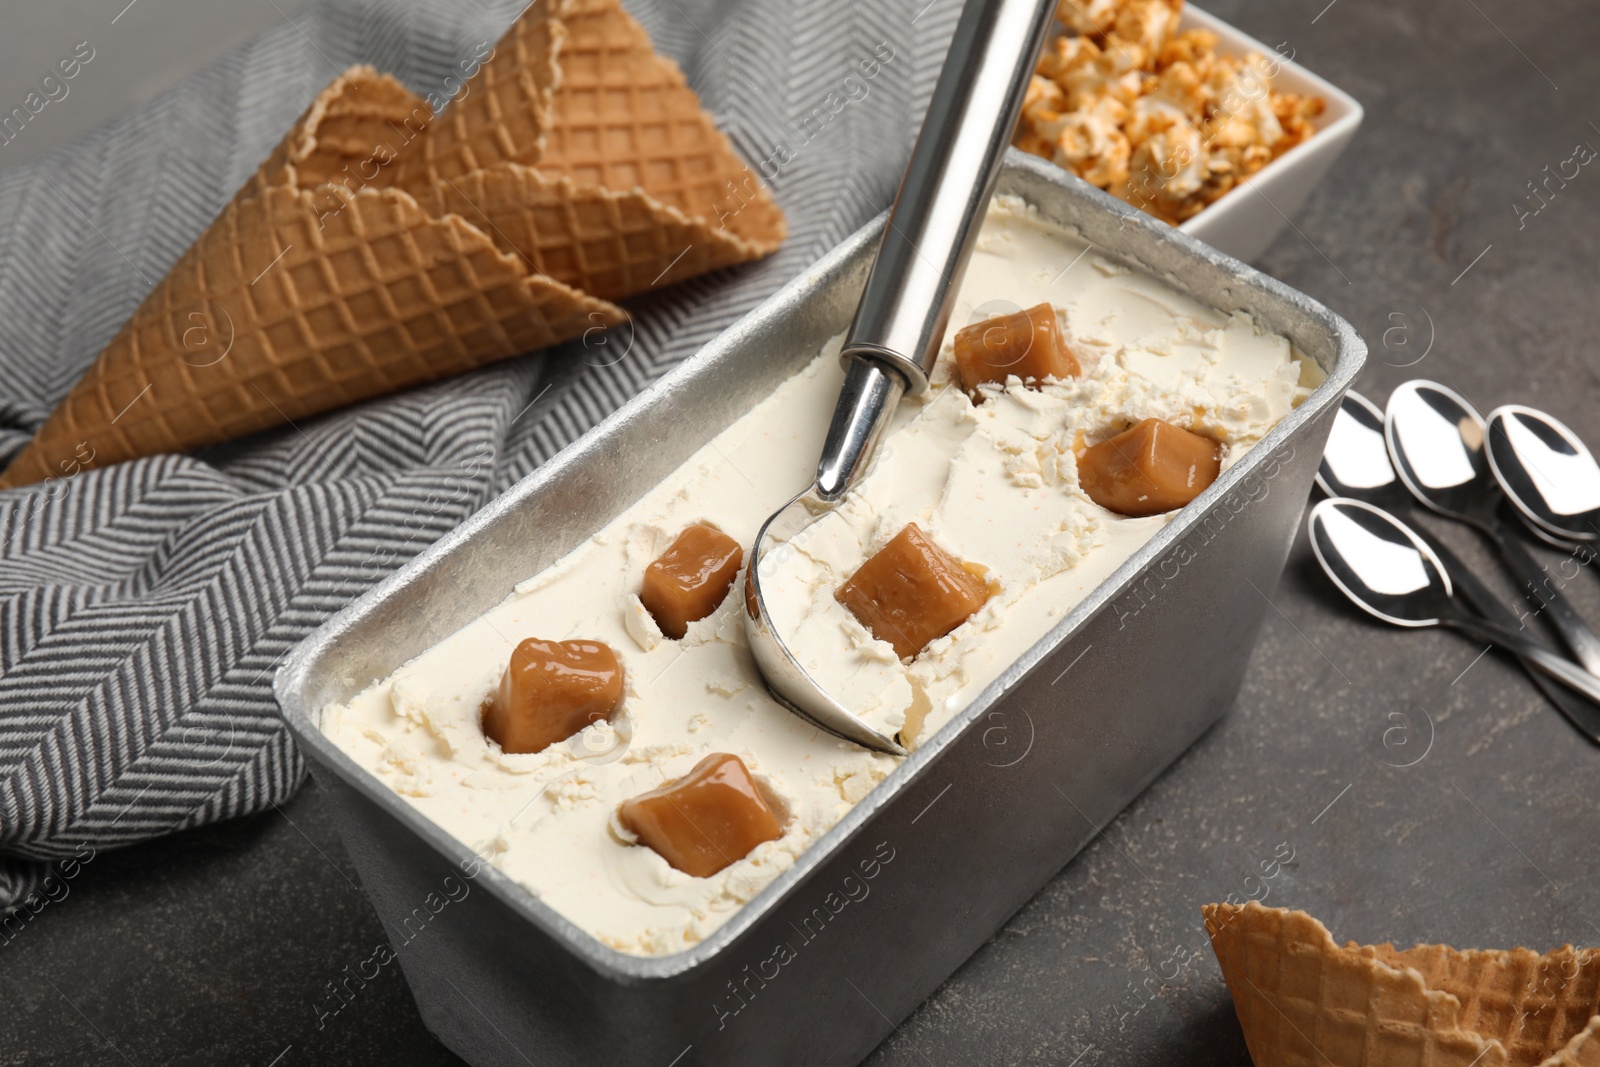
993,483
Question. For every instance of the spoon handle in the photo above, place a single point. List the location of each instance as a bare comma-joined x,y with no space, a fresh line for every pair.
1583,714
1531,652
1574,631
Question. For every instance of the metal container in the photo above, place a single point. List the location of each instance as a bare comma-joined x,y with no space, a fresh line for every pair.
820,966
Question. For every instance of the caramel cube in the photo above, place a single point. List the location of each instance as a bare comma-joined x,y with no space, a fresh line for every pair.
710,818
689,579
1025,343
912,592
550,691
1151,468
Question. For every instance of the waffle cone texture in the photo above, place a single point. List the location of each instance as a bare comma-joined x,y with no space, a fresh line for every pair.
1303,1000
379,247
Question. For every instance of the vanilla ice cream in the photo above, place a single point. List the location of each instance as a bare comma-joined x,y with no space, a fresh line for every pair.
993,483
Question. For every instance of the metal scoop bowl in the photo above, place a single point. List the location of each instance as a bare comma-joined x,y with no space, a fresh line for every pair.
900,323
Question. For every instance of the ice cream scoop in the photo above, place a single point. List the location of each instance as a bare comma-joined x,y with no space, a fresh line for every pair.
905,307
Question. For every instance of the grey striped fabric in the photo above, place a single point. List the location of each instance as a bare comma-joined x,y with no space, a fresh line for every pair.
144,606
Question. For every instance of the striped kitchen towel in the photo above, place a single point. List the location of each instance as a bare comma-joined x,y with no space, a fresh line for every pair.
144,606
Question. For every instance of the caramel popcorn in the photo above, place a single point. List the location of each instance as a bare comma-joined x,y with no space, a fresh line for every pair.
1157,117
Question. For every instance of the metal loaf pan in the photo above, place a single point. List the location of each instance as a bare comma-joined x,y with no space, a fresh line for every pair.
827,959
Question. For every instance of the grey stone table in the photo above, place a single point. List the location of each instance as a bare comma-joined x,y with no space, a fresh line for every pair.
1426,793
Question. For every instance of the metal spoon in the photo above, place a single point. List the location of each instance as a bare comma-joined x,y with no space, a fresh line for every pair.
899,326
1388,571
1437,441
1356,462
1586,553
1355,465
1546,471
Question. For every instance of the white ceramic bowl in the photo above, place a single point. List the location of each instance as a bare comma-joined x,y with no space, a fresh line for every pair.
1246,219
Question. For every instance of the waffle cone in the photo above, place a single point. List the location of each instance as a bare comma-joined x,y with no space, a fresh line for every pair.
352,135
503,111
624,118
380,247
297,300
608,243
1302,1000
653,190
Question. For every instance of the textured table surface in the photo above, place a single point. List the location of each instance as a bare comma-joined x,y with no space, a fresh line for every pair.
1426,794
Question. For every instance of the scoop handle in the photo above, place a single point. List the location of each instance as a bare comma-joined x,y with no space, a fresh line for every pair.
866,400
933,224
